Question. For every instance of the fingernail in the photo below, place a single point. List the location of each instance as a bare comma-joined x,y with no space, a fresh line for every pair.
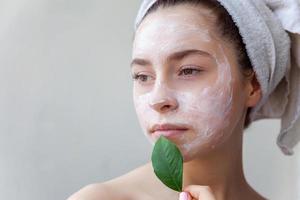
183,196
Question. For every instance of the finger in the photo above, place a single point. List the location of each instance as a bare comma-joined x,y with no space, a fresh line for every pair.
184,196
200,192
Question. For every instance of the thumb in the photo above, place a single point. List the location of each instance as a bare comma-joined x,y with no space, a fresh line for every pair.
200,192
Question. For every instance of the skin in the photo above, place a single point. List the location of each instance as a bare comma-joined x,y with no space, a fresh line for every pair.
206,92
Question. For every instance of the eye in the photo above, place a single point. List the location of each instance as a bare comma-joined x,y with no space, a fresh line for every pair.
189,71
141,77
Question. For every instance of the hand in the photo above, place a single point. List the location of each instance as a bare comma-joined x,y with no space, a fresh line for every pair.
197,192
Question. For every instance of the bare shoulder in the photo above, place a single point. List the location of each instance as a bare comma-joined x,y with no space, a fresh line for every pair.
125,187
93,192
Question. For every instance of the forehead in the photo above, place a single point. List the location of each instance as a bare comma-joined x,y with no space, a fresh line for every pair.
174,28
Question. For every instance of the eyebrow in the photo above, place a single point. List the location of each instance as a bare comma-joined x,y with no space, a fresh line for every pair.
175,56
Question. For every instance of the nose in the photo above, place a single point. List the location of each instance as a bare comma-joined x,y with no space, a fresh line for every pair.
163,101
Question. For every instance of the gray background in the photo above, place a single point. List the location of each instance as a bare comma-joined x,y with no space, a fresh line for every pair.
66,110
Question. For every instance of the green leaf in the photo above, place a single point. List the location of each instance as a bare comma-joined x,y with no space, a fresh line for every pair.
167,163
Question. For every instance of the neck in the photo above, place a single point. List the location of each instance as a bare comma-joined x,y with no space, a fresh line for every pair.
222,170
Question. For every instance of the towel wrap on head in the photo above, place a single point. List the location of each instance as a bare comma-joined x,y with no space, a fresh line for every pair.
270,30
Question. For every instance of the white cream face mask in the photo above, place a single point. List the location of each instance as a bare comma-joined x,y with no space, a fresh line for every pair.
206,111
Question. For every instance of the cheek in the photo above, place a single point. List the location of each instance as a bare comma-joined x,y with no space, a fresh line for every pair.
140,105
208,113
145,115
209,103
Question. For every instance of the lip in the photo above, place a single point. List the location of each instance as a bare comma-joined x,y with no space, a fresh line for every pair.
168,130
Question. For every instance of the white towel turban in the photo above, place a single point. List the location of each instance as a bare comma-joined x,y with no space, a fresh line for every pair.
270,30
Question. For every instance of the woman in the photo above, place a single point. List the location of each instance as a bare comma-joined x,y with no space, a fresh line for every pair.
195,84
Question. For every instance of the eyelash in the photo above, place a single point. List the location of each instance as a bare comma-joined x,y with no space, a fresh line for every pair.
137,76
189,69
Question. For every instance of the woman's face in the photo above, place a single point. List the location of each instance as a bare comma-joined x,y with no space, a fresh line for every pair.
187,85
